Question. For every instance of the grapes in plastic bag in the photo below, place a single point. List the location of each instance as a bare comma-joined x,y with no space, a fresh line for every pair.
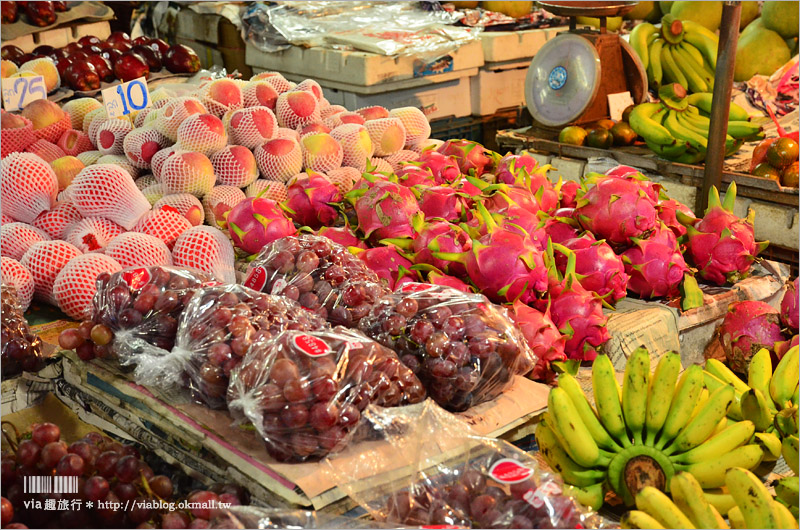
323,276
304,391
241,517
21,349
463,348
481,483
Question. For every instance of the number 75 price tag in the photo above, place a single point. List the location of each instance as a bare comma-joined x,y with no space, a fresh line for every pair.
19,91
125,98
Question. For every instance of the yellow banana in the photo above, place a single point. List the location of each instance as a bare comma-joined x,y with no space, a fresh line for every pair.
671,71
641,120
653,502
784,380
736,518
679,131
560,462
789,450
701,38
752,498
685,63
638,519
566,420
638,40
591,496
634,388
722,372
587,413
692,51
759,374
655,72
701,401
688,497
683,402
700,428
721,524
606,399
729,439
721,500
784,516
754,408
770,444
659,395
711,473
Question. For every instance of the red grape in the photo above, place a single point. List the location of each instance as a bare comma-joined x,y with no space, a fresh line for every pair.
96,488
69,339
177,520
28,453
127,468
6,511
70,465
162,486
105,465
101,334
206,500
52,453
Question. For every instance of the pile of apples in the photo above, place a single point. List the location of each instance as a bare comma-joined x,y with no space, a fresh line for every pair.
38,13
84,64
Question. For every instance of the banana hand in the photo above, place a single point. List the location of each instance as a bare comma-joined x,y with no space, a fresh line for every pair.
567,422
752,498
653,502
711,473
639,38
688,497
729,439
701,38
784,380
641,120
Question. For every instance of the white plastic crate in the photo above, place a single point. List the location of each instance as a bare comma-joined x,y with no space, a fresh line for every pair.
500,46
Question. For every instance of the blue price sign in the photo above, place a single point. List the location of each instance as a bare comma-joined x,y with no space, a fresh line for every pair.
128,97
19,91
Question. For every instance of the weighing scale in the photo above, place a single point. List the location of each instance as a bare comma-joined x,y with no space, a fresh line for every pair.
571,76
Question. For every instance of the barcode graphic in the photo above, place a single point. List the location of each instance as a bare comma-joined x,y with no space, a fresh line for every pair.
57,484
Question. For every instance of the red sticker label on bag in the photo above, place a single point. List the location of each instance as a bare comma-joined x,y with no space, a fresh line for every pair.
311,346
136,278
509,471
256,278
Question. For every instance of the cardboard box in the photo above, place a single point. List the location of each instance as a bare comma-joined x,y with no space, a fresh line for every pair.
498,87
500,46
215,37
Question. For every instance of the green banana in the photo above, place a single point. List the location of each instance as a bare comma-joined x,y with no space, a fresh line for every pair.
591,496
698,122
729,439
670,152
754,408
770,444
655,503
671,71
789,450
700,428
607,399
722,372
759,374
691,156
744,129
683,402
701,38
702,100
692,51
692,57
785,421
641,120
638,519
560,461
639,38
787,490
659,395
784,379
587,413
634,388
679,131
711,473
566,420
688,497
752,498
685,64
655,72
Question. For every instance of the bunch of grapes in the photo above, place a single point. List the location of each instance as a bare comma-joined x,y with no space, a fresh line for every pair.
218,326
131,308
322,276
304,391
21,349
108,474
463,348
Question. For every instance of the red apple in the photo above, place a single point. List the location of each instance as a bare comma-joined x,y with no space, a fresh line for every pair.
24,58
59,52
122,46
92,49
89,40
181,59
161,45
9,12
131,66
43,50
111,54
62,63
60,7
82,77
41,13
143,40
9,52
151,55
79,55
73,47
119,36
103,67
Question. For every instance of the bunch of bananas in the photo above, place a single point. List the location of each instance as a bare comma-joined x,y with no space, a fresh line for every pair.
680,51
644,433
752,505
677,127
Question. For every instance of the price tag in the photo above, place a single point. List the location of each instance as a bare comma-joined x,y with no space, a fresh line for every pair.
19,91
618,103
128,97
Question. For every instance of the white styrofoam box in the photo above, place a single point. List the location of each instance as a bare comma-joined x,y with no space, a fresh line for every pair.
196,26
499,46
60,37
355,67
498,87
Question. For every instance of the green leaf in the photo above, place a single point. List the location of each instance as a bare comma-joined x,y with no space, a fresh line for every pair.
691,295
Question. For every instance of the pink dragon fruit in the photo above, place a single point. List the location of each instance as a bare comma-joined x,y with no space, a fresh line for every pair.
655,265
472,157
747,327
722,246
509,167
616,210
439,278
667,214
341,234
544,339
433,237
389,265
384,209
559,228
569,191
443,202
789,305
255,221
599,270
312,200
412,175
782,347
444,168
634,175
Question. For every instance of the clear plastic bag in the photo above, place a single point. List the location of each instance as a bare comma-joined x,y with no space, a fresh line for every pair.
456,477
304,391
21,349
463,348
323,276
241,517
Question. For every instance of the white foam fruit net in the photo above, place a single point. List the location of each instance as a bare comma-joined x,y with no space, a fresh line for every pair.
268,189
380,165
16,140
321,152
285,133
415,123
279,159
207,249
45,260
56,221
356,145
296,108
90,116
342,118
234,165
75,142
259,93
140,145
89,157
345,178
16,238
171,115
157,162
14,273
185,204
45,150
110,135
53,132
107,190
278,82
79,108
28,187
251,126
221,199
145,181
165,224
92,234
188,172
330,110
76,284
134,249
121,161
203,133
141,116
309,85
153,193
97,121
400,157
5,219
221,95
388,135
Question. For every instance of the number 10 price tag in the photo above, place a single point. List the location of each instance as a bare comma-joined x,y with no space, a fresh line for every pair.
19,91
125,98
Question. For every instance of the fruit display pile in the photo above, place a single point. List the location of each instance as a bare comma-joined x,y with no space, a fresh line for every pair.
35,13
777,159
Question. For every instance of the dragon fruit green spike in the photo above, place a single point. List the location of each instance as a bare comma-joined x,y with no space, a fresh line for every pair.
207,249
76,284
45,150
748,326
28,186
121,161
16,238
218,203
543,337
389,265
278,82
401,157
721,245
434,237
344,178
259,93
356,145
66,169
410,175
616,210
134,249
221,95
418,129
285,133
89,117
14,273
254,222
140,145
106,190
185,204
330,110
384,209
321,152
55,222
279,159
203,133
470,156
296,108
251,126
188,172
89,157
667,214
313,200
343,235
387,134
599,270
267,189
568,194
171,115
45,260
153,193
92,234
158,159
144,181
234,165
379,165
16,133
789,305
110,136
74,143
79,108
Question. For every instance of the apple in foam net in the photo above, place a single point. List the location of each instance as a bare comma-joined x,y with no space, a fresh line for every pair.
297,108
11,121
373,113
42,113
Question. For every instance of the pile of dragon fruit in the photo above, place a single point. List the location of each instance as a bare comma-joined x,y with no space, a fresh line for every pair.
207,178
